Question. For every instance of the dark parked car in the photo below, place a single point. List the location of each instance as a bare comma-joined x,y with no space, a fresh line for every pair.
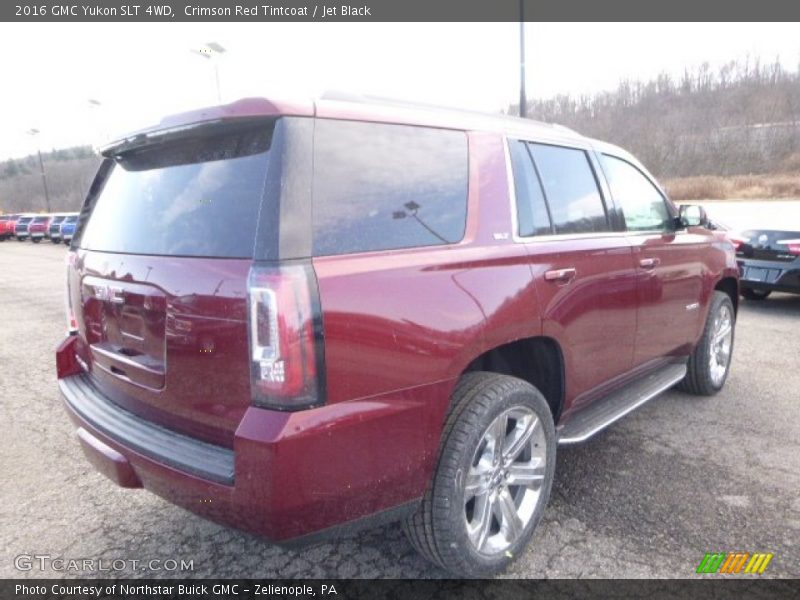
299,319
67,228
37,228
54,229
21,227
769,261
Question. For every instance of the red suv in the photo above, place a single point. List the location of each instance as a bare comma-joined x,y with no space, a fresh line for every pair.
297,319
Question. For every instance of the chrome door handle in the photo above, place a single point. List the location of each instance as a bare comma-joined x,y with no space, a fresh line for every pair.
560,274
649,263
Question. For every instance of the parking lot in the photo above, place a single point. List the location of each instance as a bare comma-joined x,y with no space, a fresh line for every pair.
678,478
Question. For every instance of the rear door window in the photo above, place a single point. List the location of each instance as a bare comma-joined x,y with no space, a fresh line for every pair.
642,204
570,188
379,186
190,197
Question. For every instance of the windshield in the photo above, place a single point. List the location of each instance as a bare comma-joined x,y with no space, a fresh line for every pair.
192,197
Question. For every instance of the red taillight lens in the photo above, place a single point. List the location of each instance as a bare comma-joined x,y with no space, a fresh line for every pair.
285,337
792,246
72,322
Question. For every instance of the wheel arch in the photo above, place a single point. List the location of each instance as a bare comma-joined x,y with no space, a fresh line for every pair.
537,360
730,286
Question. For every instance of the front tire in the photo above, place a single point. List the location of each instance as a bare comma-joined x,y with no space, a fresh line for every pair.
492,480
710,362
36,240
752,294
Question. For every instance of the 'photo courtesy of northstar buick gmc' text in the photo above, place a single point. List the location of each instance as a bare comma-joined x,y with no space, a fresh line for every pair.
302,318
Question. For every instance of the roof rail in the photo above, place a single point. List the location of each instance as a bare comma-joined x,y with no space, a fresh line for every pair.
357,98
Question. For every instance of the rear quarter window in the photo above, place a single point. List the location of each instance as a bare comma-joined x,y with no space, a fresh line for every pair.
380,187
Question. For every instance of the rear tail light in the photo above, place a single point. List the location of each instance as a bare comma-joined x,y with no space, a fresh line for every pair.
286,345
737,242
72,322
792,246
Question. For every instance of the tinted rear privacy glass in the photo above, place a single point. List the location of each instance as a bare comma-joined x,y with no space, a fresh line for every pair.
197,196
378,186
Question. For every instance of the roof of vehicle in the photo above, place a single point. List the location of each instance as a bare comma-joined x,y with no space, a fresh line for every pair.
355,107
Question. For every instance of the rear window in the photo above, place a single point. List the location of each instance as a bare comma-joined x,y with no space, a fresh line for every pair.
56,220
71,220
24,220
40,219
380,187
192,197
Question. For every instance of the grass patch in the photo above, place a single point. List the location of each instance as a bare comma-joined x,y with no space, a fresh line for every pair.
744,187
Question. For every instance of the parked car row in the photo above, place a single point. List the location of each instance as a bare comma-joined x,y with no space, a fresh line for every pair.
57,227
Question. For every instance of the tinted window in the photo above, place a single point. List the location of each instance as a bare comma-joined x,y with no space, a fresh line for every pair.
642,204
571,189
70,219
531,209
378,187
40,219
192,197
25,220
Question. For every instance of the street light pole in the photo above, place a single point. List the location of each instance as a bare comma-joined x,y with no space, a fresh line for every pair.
212,51
523,101
34,132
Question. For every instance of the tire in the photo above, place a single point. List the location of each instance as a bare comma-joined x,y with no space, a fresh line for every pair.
752,294
55,241
706,374
36,240
446,527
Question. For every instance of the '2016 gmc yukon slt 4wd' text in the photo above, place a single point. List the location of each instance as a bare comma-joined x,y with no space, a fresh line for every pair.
297,319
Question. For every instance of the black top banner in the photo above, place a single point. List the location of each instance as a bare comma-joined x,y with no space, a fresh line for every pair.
399,10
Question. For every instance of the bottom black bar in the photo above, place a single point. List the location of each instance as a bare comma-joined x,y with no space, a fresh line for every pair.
347,589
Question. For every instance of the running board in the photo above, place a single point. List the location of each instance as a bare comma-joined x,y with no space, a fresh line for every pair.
604,411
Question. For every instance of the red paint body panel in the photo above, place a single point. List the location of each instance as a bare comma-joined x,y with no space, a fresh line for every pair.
187,336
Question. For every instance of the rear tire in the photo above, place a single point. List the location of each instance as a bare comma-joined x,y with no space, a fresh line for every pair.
752,294
493,478
35,240
710,362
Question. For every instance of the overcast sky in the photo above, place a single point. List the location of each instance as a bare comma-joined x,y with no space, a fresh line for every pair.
139,72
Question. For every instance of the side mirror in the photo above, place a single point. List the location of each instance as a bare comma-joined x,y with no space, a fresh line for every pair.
693,215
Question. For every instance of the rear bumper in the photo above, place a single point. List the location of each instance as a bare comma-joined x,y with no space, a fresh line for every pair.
770,275
291,476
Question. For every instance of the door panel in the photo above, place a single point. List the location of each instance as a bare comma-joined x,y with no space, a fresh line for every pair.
670,287
592,310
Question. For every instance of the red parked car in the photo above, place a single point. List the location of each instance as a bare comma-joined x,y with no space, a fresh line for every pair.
7,226
298,319
37,228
